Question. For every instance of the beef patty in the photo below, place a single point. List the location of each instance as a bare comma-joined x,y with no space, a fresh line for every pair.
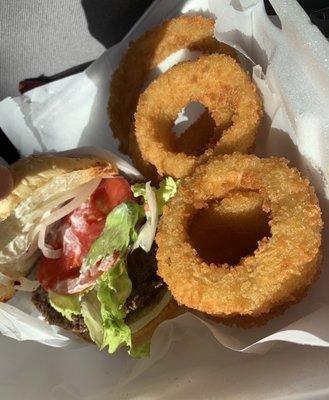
146,285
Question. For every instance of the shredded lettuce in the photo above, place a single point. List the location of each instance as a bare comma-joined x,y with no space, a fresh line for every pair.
167,189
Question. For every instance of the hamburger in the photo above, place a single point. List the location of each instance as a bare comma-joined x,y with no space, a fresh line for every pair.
87,232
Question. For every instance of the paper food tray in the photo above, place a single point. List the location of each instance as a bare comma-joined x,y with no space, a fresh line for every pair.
191,358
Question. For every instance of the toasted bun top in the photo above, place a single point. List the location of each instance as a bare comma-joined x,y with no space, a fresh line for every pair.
33,172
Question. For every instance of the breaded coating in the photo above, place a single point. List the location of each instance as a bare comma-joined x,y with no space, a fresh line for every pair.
223,87
192,32
193,141
281,269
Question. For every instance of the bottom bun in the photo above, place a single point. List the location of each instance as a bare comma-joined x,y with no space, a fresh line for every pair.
172,310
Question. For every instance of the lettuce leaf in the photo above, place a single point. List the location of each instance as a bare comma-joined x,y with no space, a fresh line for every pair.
103,309
167,189
104,314
68,305
118,233
91,312
114,287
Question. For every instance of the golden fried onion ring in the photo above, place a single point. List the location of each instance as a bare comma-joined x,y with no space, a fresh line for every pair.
222,86
193,32
280,270
193,141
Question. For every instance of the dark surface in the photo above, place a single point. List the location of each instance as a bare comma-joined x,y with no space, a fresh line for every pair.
109,20
146,284
7,150
308,5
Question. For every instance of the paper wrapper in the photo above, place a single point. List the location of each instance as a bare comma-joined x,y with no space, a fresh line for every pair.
290,67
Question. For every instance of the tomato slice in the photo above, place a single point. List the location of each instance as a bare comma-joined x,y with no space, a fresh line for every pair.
75,236
110,193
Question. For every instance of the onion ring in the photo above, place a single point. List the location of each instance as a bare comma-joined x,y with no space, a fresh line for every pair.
223,87
279,271
193,141
193,32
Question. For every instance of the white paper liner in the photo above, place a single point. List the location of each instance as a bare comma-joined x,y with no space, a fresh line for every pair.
289,66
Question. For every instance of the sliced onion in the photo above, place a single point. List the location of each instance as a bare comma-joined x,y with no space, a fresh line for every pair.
46,249
21,283
146,235
26,285
82,195
146,319
70,194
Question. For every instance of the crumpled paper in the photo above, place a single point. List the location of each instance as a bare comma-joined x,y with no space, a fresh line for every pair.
290,67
